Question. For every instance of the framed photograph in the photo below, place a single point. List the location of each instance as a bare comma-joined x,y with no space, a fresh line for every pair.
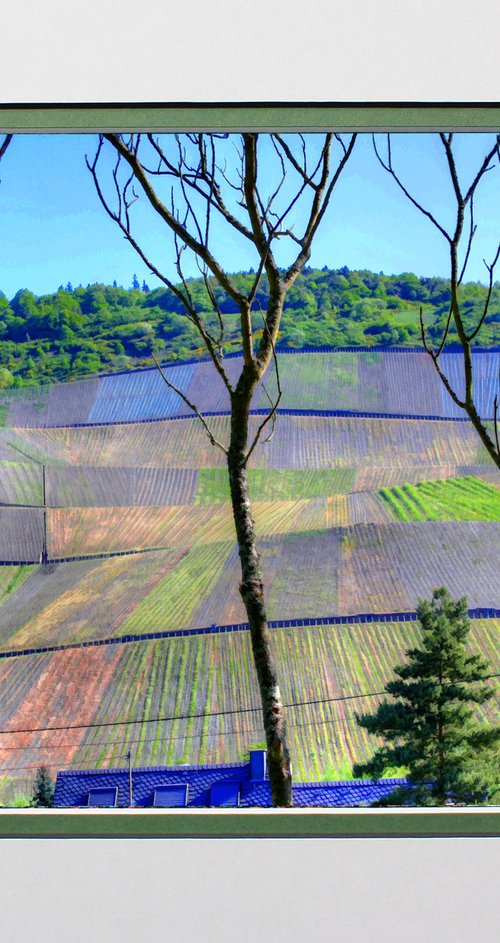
149,614
248,401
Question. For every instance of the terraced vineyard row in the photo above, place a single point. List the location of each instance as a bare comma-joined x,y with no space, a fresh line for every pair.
120,486
337,571
84,531
403,382
299,443
276,484
21,534
20,483
76,532
206,675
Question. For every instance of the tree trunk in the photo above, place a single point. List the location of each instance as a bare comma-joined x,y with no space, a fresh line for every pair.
470,407
252,592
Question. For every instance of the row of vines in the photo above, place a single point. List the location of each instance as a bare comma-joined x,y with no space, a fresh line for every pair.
366,381
194,700
299,443
337,571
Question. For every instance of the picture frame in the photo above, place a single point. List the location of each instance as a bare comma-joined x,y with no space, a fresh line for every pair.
341,824
357,875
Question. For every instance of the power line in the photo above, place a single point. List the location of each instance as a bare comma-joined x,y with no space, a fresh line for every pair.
102,744
231,711
188,736
193,736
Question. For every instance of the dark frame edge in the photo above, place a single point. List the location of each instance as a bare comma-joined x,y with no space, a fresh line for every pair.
258,116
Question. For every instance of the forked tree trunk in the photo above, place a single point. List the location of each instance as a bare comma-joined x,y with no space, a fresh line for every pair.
252,592
263,227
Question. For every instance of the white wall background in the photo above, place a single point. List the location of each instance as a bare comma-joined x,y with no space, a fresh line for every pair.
267,891
419,891
249,50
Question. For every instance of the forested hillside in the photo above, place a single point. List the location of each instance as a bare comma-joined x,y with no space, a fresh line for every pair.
98,329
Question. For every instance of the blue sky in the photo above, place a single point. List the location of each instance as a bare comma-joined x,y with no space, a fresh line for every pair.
54,230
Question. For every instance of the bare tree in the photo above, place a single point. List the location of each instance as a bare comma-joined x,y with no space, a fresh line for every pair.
259,209
464,206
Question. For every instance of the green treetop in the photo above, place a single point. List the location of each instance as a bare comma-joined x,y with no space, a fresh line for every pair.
429,728
43,791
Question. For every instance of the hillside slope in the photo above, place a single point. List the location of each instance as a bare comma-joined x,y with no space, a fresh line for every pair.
124,529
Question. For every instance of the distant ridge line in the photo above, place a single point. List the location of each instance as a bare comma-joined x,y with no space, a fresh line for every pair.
307,349
363,618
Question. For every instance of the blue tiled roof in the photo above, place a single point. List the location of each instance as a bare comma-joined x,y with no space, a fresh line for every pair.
354,792
73,786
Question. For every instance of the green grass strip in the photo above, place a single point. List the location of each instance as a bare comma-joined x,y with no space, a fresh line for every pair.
461,499
276,484
172,601
14,580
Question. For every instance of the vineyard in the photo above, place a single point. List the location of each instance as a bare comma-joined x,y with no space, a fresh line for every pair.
125,529
387,382
340,570
463,499
162,684
300,443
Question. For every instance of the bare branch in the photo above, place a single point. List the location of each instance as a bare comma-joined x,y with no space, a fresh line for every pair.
256,282
301,170
252,200
216,307
446,141
465,338
192,180
338,137
390,170
191,405
491,269
429,350
485,166
271,416
184,297
320,202
437,365
201,250
5,143
472,232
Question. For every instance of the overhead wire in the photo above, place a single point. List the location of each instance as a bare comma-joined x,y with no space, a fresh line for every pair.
231,712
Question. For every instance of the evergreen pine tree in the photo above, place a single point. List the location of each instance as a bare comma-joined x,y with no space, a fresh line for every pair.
43,790
429,728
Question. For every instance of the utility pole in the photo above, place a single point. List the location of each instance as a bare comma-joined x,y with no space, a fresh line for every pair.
129,758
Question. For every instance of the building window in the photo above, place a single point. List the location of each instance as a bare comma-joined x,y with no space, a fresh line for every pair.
103,798
173,796
225,795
